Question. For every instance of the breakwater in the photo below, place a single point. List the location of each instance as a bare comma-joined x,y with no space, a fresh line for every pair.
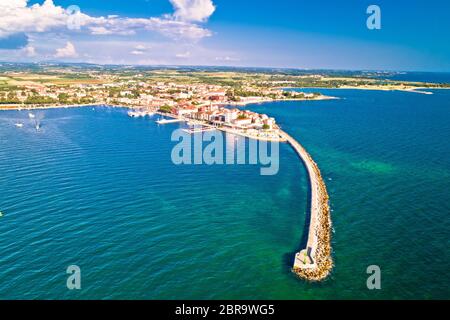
314,262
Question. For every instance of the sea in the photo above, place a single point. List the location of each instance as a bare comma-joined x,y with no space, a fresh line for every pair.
97,189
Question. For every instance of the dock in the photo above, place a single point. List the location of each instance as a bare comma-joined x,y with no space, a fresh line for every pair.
314,263
167,121
199,130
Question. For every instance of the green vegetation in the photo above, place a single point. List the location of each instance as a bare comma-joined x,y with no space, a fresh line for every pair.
63,98
9,98
36,99
166,109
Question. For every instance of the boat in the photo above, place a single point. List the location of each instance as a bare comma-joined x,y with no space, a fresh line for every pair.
137,114
32,116
1,214
19,125
38,127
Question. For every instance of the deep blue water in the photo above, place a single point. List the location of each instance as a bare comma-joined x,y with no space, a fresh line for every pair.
97,189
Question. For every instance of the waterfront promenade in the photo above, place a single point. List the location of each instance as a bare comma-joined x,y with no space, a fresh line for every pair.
314,262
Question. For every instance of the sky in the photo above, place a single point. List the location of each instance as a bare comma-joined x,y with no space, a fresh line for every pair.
320,34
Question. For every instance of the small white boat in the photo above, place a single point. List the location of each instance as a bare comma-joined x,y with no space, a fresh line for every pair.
38,127
138,114
19,125
135,114
32,116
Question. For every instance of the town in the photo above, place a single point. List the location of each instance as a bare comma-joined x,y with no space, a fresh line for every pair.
203,106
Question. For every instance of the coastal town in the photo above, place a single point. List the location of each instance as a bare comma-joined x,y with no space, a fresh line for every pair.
202,106
203,98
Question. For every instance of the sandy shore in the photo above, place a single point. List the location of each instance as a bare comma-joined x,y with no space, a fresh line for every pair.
379,88
390,88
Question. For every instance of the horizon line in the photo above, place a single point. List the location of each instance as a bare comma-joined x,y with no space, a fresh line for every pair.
214,66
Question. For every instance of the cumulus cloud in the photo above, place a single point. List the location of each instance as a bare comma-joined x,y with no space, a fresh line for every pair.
193,10
17,16
68,51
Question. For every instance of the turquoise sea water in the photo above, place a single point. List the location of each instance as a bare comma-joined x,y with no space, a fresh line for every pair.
97,189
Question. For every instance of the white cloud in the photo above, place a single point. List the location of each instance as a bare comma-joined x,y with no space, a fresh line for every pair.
100,31
68,51
226,58
30,51
16,16
193,10
139,50
183,55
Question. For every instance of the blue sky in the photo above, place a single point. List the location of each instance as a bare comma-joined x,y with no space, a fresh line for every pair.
414,35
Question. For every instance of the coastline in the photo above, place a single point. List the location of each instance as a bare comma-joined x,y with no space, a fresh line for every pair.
47,107
377,88
225,129
6,107
245,103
